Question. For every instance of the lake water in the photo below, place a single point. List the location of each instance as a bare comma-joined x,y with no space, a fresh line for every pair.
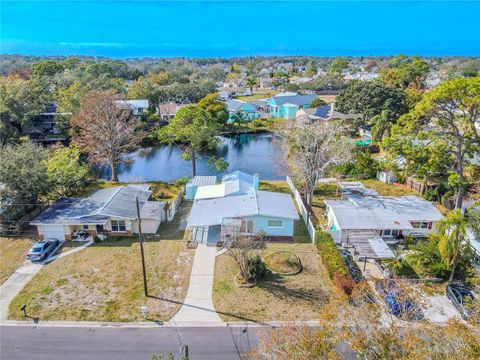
260,154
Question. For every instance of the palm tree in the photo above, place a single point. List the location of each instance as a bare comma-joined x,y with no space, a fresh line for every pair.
251,83
454,231
238,118
380,126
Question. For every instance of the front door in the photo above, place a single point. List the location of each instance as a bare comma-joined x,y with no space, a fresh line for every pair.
99,229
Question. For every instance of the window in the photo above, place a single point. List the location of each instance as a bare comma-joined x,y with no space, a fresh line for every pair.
421,224
275,223
393,233
119,226
247,226
85,227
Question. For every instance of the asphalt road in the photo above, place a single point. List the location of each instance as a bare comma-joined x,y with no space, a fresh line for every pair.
51,343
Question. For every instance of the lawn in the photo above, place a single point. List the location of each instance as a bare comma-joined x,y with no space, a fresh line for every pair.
389,189
323,191
104,281
12,253
282,298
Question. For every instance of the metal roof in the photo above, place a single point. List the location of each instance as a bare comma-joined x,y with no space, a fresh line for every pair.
203,180
294,99
370,245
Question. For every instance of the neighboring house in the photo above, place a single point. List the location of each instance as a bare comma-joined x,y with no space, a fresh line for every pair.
229,92
108,211
237,206
247,109
168,110
138,107
193,184
286,105
44,126
363,210
324,113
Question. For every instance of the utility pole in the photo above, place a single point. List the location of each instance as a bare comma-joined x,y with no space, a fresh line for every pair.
140,239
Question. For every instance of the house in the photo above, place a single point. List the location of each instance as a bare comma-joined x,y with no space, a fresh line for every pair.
236,106
108,211
324,113
226,93
363,210
45,126
138,107
167,111
236,205
286,105
193,184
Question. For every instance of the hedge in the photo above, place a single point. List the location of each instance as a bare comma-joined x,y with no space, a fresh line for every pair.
330,255
333,261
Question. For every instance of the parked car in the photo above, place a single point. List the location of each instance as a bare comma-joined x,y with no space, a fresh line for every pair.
397,302
463,298
42,249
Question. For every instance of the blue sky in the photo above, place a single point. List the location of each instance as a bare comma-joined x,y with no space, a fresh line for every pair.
237,28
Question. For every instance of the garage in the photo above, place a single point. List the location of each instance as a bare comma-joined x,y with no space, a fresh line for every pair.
53,232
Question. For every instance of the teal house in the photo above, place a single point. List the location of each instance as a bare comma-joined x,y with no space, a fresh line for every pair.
237,207
286,105
249,112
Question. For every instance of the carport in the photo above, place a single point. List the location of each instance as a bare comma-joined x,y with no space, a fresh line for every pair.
368,245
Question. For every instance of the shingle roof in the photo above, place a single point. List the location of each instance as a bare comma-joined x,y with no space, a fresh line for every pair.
234,105
118,201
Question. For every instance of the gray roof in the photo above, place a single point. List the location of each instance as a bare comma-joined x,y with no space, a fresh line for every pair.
203,180
294,99
234,105
211,212
118,202
364,209
327,113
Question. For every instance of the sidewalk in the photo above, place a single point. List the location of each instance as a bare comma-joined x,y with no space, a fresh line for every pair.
15,283
198,305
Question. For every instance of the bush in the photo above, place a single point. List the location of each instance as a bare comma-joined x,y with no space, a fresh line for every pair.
182,181
259,269
331,257
344,283
283,262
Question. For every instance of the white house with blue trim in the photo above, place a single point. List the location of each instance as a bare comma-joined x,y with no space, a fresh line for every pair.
238,200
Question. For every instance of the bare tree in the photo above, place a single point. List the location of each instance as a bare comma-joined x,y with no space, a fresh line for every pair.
313,149
246,250
105,130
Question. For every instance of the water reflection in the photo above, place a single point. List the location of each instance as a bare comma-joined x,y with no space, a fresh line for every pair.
252,153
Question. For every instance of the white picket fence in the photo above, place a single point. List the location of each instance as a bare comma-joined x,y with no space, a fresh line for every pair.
303,209
174,205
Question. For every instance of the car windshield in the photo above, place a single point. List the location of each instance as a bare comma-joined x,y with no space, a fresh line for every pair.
37,248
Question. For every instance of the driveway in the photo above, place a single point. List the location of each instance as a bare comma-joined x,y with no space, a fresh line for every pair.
15,283
198,305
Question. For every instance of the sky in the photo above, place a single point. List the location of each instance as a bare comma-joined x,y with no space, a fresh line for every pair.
239,28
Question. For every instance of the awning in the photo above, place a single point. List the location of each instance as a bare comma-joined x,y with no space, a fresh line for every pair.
369,244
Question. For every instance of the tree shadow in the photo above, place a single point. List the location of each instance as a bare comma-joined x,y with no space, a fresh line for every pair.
275,284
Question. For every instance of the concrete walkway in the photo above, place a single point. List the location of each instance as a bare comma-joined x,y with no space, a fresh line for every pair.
198,305
15,283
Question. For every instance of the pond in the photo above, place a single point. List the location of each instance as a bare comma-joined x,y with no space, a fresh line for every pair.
260,154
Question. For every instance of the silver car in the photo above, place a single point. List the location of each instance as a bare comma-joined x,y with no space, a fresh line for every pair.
42,249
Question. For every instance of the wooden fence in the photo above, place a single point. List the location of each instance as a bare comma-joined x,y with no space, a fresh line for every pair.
303,209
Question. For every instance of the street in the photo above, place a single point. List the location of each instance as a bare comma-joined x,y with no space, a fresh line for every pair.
50,343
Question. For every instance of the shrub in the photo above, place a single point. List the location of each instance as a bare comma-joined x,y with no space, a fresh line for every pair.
96,239
259,269
282,262
182,181
331,257
344,283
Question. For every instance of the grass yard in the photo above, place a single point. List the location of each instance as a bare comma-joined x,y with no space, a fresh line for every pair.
283,298
323,191
389,189
275,186
104,281
12,254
